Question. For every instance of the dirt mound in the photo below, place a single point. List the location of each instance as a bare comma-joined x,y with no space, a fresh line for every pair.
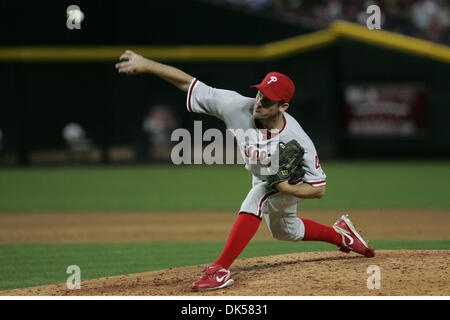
402,273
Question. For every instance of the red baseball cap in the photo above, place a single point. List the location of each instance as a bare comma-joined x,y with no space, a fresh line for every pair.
277,86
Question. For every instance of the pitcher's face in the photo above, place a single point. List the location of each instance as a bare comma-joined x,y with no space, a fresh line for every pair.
264,108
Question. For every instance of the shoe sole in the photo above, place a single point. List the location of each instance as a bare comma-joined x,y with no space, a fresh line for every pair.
370,253
227,283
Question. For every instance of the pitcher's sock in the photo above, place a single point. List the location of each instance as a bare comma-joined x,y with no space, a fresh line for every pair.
242,232
315,231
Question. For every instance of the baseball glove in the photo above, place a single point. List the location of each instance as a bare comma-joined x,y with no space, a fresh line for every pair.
298,173
290,163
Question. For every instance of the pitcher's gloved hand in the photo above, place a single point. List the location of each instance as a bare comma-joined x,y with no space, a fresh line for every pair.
290,163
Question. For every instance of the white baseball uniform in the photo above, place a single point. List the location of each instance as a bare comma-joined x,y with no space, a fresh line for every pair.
279,209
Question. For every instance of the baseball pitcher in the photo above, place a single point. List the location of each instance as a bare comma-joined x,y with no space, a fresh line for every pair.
276,190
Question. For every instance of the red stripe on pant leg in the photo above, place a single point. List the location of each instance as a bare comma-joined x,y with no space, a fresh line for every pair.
242,232
262,201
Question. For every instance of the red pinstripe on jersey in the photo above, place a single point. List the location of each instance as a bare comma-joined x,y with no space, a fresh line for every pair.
311,183
317,182
268,132
191,88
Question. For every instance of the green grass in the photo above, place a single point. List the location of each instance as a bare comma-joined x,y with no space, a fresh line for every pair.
387,185
421,185
349,186
24,265
122,188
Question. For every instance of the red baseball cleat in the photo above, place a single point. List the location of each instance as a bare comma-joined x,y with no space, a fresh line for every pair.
352,240
215,277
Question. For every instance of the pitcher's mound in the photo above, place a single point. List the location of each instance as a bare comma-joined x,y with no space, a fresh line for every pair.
400,273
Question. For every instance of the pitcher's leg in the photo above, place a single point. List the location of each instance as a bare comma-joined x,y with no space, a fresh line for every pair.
242,232
285,227
315,231
288,227
250,215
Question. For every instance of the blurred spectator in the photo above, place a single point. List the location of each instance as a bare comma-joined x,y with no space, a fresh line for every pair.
431,18
75,137
423,13
428,19
159,124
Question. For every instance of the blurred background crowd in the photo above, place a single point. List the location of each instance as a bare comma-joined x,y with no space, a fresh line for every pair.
426,19
373,100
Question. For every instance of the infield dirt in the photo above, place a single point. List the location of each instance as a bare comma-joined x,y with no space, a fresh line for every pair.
403,272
